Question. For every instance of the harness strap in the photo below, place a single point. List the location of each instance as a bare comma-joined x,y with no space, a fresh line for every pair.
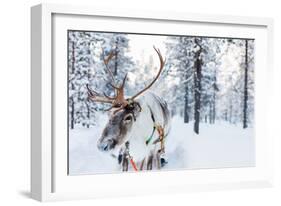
154,127
160,131
150,138
127,153
161,137
133,164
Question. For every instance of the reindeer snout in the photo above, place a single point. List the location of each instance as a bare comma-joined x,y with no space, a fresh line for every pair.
107,144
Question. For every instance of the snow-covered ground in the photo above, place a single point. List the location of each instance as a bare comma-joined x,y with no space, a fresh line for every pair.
217,146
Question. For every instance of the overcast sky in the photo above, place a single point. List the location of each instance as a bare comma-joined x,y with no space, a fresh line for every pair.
141,46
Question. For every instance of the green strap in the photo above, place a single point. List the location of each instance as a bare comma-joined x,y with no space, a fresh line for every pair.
150,138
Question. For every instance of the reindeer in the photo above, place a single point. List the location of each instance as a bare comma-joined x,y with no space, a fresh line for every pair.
137,125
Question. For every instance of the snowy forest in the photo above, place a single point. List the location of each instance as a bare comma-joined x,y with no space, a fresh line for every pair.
208,83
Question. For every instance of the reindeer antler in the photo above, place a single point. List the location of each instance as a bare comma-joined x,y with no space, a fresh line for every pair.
106,61
162,63
119,99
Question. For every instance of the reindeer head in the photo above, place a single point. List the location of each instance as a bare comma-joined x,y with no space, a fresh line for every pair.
123,111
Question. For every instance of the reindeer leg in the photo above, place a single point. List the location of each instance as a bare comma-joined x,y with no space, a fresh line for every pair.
125,163
149,162
161,152
158,161
156,152
142,164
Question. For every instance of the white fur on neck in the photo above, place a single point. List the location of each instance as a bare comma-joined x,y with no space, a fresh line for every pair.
143,127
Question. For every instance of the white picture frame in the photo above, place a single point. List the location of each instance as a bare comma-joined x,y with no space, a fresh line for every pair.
49,180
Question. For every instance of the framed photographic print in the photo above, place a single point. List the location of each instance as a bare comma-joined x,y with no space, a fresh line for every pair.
138,102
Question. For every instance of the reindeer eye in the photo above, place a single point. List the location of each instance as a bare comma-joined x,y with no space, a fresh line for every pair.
128,118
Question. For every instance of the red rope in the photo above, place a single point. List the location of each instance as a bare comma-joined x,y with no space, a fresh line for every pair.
133,164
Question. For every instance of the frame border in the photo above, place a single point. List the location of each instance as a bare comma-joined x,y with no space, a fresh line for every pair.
42,84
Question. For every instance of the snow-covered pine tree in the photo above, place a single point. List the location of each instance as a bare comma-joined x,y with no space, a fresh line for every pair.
245,99
194,65
80,67
231,97
121,64
71,85
86,66
197,77
230,83
141,74
212,51
248,96
251,83
180,73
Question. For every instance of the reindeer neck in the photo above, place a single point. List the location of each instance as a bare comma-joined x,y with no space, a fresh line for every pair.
141,130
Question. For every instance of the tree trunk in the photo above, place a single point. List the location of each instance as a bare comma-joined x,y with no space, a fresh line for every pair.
88,115
197,92
186,105
210,113
230,112
72,87
214,110
215,87
72,113
245,107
